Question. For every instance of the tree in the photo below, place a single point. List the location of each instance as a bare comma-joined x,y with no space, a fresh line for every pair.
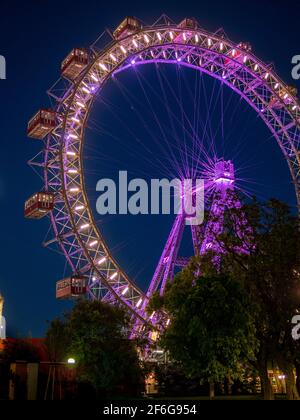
270,267
19,349
212,332
58,340
98,341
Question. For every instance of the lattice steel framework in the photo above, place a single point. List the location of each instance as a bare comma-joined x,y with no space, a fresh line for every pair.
62,157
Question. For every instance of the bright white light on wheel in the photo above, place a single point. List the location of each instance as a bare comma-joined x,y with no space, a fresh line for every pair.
85,226
184,36
125,290
158,36
78,208
74,190
94,78
276,86
103,66
209,42
75,119
146,38
86,90
256,67
267,76
123,49
135,43
69,153
139,303
196,38
102,261
93,243
113,276
221,46
171,35
80,104
73,136
113,57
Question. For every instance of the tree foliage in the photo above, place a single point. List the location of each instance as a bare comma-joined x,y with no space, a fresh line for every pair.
96,336
211,331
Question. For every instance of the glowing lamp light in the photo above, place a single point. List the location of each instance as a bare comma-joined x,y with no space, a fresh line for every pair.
123,49
158,36
113,57
209,42
94,279
75,119
86,90
294,107
196,38
113,276
85,226
221,46
71,361
102,261
276,86
93,243
146,38
70,153
125,291
135,43
139,303
168,322
256,67
171,35
80,104
78,208
73,136
72,171
267,76
223,181
152,315
94,78
184,36
74,189
132,62
245,59
103,66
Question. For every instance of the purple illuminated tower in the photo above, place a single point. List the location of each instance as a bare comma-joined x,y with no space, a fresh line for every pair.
203,236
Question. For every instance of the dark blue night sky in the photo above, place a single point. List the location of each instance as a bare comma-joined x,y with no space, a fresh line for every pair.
34,38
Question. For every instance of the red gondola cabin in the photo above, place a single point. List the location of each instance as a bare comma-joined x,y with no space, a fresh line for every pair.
128,26
39,205
71,287
42,124
74,63
188,23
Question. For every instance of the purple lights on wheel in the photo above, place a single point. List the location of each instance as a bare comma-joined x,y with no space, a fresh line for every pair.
85,72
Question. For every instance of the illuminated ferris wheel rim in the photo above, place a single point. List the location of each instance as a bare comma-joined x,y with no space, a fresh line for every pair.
74,226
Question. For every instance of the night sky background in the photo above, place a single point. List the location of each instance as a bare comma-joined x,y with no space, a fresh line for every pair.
34,38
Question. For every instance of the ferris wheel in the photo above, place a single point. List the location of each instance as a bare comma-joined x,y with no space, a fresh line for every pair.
84,73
